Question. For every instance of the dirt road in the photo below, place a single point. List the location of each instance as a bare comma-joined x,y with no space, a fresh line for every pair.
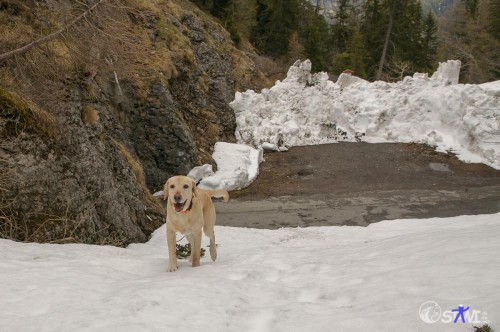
358,184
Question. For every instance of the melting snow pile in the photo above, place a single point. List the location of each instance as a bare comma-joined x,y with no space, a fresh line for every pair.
238,166
308,109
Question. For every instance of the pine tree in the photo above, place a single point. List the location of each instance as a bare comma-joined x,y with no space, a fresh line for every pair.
314,32
429,43
204,4
220,8
276,21
408,34
494,18
229,13
393,33
242,16
387,38
357,53
341,29
373,31
472,7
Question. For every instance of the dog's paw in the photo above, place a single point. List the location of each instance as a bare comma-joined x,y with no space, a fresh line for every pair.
213,253
172,268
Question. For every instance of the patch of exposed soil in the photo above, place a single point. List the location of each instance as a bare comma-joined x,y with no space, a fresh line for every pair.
345,168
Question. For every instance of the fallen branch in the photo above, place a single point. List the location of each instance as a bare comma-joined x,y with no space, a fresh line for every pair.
49,37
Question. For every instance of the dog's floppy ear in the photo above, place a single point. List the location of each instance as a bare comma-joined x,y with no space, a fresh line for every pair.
165,190
193,184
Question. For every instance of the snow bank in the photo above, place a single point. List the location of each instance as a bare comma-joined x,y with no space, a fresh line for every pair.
200,172
493,86
447,72
308,109
313,279
238,166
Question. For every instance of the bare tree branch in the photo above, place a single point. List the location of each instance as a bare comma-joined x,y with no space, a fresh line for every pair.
49,37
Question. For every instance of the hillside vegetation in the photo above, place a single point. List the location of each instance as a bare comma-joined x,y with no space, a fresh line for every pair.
102,101
377,39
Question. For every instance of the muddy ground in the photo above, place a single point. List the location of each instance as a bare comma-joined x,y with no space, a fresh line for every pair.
360,183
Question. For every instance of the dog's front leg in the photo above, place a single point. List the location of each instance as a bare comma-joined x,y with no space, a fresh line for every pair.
190,238
172,257
196,250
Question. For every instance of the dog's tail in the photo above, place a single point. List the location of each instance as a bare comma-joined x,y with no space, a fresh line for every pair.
219,193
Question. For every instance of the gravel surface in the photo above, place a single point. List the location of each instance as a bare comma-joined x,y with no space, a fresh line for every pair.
360,183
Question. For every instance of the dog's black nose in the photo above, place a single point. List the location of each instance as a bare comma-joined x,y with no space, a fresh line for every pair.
177,197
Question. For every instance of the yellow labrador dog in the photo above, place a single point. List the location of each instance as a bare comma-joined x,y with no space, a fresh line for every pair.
189,209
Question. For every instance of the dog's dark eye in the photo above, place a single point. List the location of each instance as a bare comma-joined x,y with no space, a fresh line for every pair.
172,186
186,186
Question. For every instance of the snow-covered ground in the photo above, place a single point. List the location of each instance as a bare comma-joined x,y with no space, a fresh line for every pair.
373,278
307,109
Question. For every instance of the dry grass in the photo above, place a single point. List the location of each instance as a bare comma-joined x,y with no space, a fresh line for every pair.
29,114
90,116
107,40
175,41
62,54
202,82
134,163
139,175
60,229
148,5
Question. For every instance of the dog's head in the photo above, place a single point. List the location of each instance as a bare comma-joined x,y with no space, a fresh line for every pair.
179,190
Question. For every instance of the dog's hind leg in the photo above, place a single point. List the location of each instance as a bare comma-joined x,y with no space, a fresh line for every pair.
208,229
196,249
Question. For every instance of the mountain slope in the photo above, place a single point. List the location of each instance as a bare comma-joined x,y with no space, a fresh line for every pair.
94,119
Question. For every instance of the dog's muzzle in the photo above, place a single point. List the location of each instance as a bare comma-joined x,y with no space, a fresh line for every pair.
179,206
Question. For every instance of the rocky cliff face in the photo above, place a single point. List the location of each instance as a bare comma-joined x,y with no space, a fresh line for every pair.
94,120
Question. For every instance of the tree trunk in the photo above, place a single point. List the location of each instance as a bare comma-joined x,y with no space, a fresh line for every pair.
386,42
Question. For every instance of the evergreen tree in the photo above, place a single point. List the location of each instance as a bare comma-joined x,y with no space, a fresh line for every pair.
242,16
394,37
225,10
472,7
276,21
314,34
357,53
373,31
354,58
341,29
296,49
258,35
429,43
387,38
204,4
220,8
408,32
494,18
